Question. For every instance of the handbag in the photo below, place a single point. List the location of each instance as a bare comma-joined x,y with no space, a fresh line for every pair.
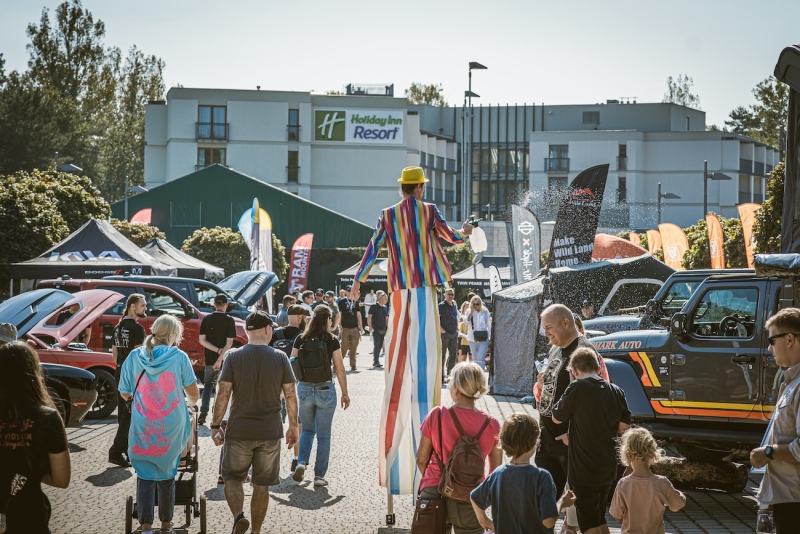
129,402
479,335
430,515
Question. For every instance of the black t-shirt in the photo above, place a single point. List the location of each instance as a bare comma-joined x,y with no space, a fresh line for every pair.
127,335
218,327
550,430
379,314
289,333
349,309
24,448
448,316
593,409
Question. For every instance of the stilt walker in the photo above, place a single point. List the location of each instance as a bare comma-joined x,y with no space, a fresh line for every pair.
411,231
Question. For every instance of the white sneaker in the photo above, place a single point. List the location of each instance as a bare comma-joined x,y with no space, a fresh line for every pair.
319,481
299,471
565,530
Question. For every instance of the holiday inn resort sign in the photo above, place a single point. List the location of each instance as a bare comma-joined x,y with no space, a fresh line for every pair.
359,126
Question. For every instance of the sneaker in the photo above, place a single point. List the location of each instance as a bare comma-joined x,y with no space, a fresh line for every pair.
202,419
566,530
319,481
294,465
377,366
117,458
353,369
299,471
241,524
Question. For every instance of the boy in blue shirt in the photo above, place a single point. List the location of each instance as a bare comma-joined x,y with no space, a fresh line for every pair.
522,496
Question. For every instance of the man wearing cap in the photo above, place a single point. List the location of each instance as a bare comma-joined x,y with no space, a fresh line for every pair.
217,332
8,333
412,231
256,375
587,310
319,296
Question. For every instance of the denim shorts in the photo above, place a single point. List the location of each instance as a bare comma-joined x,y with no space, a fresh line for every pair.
264,456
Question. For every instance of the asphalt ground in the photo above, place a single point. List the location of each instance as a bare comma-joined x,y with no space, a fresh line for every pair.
352,503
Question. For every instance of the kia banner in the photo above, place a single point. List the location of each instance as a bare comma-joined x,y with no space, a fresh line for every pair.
299,263
525,244
576,224
716,242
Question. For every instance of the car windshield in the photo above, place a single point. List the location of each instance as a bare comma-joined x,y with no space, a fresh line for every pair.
677,295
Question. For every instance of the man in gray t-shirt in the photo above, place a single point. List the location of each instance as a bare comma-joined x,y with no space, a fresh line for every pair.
256,375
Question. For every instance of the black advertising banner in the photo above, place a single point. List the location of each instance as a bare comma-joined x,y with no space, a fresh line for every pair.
576,224
525,242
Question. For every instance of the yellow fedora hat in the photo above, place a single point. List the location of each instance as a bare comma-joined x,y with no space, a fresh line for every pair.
413,175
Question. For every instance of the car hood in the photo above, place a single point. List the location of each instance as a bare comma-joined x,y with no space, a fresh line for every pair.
56,370
247,287
617,323
27,309
93,303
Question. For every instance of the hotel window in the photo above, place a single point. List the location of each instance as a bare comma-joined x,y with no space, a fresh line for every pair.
293,129
591,117
622,190
210,156
211,122
293,168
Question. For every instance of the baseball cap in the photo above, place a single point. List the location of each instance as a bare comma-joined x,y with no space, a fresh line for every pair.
296,309
586,302
319,292
257,320
8,332
348,288
330,294
221,299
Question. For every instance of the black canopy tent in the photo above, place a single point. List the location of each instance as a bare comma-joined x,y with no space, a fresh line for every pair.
188,266
477,276
94,250
610,284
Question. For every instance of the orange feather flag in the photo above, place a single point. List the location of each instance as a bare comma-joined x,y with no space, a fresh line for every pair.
747,214
653,241
674,242
716,242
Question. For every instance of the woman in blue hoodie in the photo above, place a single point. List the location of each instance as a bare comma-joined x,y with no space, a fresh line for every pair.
156,375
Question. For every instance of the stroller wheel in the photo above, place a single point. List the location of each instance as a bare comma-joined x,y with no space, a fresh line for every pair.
202,514
189,514
129,515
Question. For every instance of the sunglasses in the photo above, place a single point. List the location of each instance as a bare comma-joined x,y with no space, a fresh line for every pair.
772,339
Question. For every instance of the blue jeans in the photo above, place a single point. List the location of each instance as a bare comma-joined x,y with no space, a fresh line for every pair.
317,404
478,349
210,377
377,340
146,499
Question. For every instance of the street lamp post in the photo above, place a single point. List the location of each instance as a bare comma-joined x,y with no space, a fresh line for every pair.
663,195
466,132
131,189
718,176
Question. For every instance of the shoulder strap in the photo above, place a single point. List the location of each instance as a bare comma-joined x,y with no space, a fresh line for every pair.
279,333
440,454
456,421
137,383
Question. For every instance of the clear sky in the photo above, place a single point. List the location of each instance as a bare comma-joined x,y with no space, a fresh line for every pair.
556,52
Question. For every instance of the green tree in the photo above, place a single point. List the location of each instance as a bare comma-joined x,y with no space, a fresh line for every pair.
735,251
771,110
743,121
698,256
459,256
140,234
426,94
76,198
139,81
226,248
679,91
767,226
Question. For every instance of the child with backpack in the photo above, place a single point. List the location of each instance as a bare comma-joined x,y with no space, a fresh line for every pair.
315,351
522,496
455,444
640,497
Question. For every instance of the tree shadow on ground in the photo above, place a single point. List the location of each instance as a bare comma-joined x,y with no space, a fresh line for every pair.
110,477
215,494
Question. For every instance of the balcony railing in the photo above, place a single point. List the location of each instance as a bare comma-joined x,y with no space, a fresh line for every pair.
292,174
439,163
211,131
622,163
556,164
758,168
293,132
745,166
450,165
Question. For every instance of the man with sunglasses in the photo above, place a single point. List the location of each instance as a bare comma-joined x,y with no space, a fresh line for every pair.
780,487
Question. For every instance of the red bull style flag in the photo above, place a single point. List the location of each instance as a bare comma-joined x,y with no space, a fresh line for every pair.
576,224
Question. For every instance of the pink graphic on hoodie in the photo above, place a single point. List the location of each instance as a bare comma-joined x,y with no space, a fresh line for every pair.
155,401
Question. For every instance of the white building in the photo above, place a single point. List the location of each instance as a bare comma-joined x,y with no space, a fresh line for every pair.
343,152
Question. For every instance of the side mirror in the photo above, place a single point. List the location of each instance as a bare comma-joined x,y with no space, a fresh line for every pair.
678,325
652,310
189,313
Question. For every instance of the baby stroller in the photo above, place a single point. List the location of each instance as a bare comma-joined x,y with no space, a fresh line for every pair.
185,485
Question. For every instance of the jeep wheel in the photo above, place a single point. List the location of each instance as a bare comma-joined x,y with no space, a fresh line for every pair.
697,453
106,395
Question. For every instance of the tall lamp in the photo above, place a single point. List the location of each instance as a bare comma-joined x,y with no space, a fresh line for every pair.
131,189
663,195
466,131
706,178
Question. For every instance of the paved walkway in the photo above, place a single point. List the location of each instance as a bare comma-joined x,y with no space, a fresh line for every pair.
352,503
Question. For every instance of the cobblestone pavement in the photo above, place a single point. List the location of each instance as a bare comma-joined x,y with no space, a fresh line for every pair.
352,503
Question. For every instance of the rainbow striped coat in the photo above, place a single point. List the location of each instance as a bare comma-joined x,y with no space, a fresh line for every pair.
411,230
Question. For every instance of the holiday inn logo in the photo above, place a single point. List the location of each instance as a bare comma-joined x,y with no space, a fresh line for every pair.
330,125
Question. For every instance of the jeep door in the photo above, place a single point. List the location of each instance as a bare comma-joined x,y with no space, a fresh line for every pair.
715,364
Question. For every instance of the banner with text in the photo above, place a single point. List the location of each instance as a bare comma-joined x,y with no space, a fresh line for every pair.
716,242
300,260
674,242
653,241
525,243
747,214
576,223
359,126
